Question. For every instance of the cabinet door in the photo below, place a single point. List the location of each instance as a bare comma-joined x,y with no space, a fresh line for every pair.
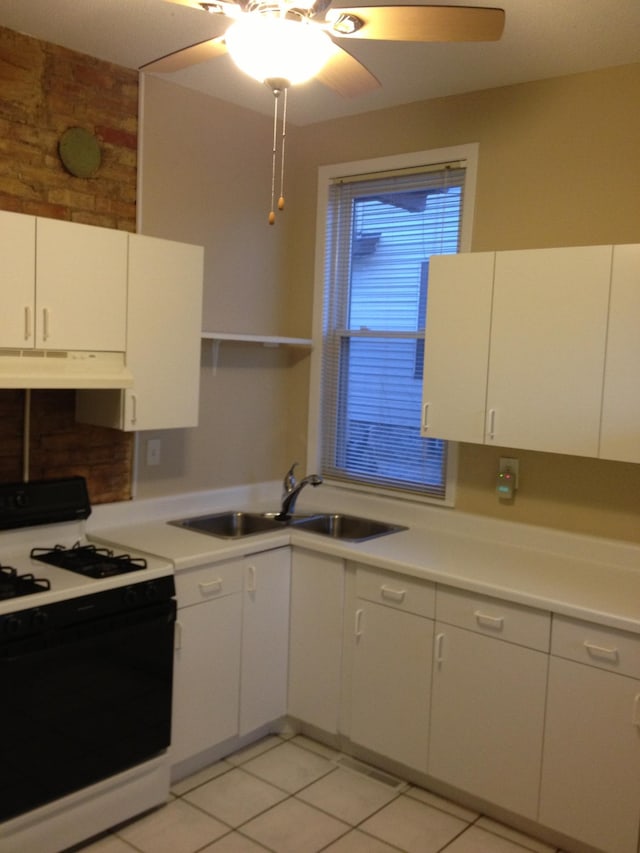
206,683
487,718
546,360
457,346
391,683
591,765
81,287
265,639
620,438
17,296
315,639
163,333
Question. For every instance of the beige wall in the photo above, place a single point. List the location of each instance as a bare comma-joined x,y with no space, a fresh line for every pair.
206,179
559,165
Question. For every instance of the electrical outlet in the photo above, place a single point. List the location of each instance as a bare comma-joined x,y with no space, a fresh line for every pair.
512,465
153,451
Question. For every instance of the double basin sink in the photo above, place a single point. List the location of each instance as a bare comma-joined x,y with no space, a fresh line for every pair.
237,524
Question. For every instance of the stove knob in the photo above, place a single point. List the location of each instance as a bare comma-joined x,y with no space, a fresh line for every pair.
130,596
40,619
13,625
151,591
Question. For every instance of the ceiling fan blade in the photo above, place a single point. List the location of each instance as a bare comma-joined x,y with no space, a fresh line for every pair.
187,56
347,76
193,3
418,23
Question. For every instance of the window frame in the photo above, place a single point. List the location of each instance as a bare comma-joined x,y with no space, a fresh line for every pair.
326,174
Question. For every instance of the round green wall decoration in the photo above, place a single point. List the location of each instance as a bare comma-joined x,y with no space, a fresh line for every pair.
80,152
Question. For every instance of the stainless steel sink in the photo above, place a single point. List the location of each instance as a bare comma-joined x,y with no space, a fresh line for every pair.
232,525
347,527
236,524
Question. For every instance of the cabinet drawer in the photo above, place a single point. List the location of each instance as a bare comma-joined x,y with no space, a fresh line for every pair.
504,620
399,591
207,582
607,648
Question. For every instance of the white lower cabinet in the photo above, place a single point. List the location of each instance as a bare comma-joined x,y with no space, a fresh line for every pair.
206,683
488,702
315,640
391,677
265,638
230,666
591,764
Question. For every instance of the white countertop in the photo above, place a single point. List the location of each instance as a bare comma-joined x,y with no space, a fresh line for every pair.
582,577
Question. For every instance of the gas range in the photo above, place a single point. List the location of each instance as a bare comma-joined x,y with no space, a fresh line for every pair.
45,563
86,669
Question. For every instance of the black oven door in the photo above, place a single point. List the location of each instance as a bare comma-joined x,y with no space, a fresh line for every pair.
83,702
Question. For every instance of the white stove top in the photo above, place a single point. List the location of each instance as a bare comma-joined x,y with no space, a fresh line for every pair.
16,545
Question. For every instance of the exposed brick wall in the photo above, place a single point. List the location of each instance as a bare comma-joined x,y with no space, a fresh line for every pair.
45,89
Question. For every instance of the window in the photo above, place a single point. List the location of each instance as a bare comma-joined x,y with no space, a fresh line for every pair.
380,230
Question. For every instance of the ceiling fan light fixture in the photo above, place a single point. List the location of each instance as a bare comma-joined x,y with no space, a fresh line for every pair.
268,47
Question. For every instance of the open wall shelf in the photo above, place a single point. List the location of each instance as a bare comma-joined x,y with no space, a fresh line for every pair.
214,339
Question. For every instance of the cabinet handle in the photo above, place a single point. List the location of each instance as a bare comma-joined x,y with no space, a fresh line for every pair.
492,424
251,583
134,408
425,417
601,652
210,587
358,625
27,322
636,711
496,623
177,636
392,594
45,324
439,650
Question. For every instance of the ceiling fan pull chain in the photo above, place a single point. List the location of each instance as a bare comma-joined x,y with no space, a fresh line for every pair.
272,213
284,137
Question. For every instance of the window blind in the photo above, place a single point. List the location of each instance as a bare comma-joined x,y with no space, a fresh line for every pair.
382,230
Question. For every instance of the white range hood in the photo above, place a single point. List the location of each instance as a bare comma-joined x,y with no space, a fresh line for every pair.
63,369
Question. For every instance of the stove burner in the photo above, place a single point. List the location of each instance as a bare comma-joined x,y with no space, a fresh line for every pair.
89,560
13,585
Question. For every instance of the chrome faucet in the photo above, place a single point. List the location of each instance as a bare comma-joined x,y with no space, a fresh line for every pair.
291,490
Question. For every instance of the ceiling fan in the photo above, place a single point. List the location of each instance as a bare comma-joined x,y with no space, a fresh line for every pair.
276,27
283,42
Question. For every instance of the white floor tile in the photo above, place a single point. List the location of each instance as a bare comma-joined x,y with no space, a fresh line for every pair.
476,840
175,828
235,797
513,835
199,778
294,827
357,842
234,843
348,796
413,826
289,767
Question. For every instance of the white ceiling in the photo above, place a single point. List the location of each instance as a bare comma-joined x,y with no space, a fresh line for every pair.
542,38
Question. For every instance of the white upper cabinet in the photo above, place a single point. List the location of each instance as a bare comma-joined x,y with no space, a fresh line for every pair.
81,287
17,296
457,346
546,362
163,333
164,316
65,285
620,437
535,349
